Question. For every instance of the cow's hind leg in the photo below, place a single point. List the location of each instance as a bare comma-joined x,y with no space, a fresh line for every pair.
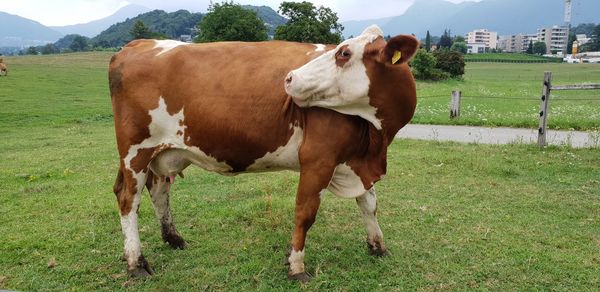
159,188
128,188
368,207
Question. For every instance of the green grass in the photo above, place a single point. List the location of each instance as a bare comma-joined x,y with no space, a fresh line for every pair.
454,216
498,94
510,58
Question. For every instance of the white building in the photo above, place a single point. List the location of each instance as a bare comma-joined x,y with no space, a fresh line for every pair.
474,48
555,37
516,43
483,36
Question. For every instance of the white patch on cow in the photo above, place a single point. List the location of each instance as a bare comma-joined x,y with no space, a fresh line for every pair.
129,226
164,129
345,183
322,83
284,157
296,261
167,45
368,207
319,48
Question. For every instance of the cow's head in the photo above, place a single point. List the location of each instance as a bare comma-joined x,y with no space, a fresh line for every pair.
339,80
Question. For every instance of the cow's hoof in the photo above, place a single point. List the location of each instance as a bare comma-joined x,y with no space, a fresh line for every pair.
302,277
142,269
175,241
377,250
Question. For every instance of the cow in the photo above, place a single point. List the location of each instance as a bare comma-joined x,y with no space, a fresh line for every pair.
3,68
328,112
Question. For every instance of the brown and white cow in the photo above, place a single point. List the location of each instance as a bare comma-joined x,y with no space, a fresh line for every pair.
238,107
3,68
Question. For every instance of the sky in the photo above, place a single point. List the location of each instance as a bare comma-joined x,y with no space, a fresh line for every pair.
66,12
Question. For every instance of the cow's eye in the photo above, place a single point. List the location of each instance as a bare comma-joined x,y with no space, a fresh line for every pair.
345,54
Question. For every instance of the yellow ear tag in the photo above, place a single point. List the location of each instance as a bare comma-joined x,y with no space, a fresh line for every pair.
397,56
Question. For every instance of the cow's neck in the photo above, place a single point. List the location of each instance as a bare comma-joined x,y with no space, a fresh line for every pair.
395,106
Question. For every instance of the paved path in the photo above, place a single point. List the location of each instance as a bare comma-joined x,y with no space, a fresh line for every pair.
482,135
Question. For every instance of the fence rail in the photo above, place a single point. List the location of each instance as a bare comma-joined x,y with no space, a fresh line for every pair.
456,97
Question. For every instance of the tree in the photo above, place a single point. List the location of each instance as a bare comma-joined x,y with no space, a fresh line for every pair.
32,51
450,61
445,40
140,31
539,48
530,48
595,43
460,39
460,47
230,22
79,44
48,49
309,24
428,42
423,66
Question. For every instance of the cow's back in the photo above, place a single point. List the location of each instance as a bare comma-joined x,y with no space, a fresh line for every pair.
228,97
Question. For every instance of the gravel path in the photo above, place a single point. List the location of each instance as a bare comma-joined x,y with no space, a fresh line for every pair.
482,135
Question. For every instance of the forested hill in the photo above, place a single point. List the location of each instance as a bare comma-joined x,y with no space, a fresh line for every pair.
173,24
269,16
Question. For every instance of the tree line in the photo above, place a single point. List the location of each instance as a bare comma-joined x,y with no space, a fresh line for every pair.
225,21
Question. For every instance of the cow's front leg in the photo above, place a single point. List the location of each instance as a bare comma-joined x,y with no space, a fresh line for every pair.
308,199
128,188
368,207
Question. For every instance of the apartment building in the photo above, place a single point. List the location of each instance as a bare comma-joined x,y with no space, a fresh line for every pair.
555,37
483,36
516,43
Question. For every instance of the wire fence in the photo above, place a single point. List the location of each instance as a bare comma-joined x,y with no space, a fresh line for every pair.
515,98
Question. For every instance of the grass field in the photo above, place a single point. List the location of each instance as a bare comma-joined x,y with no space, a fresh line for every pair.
509,57
500,94
454,216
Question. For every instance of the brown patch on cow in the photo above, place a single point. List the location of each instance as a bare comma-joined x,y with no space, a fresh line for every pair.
342,56
118,186
142,158
115,77
179,133
392,89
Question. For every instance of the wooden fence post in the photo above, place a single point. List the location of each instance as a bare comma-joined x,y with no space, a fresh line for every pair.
544,105
455,105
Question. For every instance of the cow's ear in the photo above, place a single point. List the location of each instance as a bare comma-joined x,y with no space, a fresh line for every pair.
399,49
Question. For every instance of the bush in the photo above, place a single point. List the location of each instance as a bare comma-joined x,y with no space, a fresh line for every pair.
450,61
423,65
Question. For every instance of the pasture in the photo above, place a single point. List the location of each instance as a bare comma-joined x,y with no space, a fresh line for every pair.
507,94
454,216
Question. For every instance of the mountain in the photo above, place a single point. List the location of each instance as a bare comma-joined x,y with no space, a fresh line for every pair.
271,18
16,31
503,16
95,27
172,24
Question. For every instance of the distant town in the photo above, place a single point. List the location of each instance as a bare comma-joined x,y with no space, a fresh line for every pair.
555,38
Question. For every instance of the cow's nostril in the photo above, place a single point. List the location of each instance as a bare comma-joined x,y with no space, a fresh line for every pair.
288,79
